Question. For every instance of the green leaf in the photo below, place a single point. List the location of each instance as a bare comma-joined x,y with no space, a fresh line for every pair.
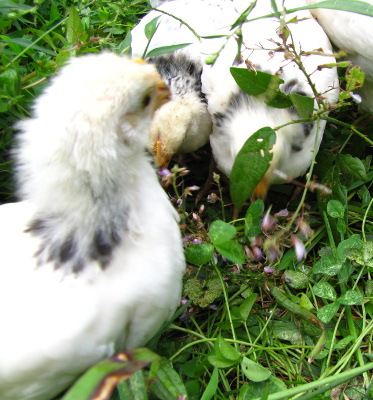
354,79
232,251
199,254
359,7
74,27
288,331
277,99
10,82
104,376
125,45
165,49
353,242
341,226
296,279
262,85
253,83
369,288
351,297
168,384
351,167
251,164
225,351
212,386
326,313
151,27
363,256
325,290
341,344
254,371
335,209
28,43
134,388
202,293
303,105
10,87
305,302
193,388
219,362
253,223
7,6
221,232
247,305
329,265
260,390
331,179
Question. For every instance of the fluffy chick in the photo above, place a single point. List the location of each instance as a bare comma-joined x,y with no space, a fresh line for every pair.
236,115
92,257
183,124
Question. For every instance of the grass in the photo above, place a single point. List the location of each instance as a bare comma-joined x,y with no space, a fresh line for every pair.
259,318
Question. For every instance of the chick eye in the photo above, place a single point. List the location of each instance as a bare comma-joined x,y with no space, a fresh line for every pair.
146,100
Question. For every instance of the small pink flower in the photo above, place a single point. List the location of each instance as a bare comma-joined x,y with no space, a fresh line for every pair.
201,209
268,222
299,248
192,188
282,213
196,217
183,301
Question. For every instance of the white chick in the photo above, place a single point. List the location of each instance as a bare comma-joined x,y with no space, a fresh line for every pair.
92,257
236,115
183,124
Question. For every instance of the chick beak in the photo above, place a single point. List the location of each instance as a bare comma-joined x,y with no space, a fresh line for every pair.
163,95
261,189
162,159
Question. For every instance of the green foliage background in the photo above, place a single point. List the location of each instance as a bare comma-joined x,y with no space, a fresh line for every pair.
258,321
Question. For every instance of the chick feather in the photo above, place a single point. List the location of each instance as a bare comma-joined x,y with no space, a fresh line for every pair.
92,258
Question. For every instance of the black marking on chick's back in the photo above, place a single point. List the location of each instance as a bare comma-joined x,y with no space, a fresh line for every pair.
181,74
237,101
65,252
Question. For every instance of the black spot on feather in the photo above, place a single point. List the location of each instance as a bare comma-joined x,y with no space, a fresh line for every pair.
181,74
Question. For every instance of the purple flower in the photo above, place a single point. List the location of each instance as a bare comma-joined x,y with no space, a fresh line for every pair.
355,97
192,188
282,213
212,198
197,241
183,301
164,173
269,270
257,253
